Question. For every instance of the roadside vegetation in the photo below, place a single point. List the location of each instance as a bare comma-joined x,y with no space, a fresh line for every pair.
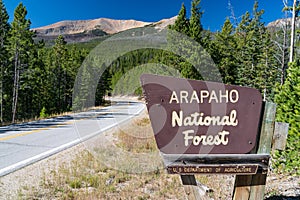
88,176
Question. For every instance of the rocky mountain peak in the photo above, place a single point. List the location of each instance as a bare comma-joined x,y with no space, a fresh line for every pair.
279,23
85,30
109,26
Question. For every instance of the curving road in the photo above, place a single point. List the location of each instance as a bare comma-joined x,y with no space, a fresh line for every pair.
24,144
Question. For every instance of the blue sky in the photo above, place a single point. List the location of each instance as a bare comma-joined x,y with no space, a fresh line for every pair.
43,13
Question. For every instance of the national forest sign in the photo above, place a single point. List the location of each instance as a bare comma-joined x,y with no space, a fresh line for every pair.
198,117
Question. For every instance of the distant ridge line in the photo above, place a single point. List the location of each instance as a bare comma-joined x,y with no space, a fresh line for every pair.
109,26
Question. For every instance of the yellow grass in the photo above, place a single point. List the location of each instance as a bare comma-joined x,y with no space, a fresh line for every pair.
124,165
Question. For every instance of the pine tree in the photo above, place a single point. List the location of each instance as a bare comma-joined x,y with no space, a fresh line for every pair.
182,46
75,58
4,29
195,27
181,23
258,65
20,44
47,81
60,54
224,53
31,89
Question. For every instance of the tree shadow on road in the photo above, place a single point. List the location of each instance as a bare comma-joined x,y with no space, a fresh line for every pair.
34,125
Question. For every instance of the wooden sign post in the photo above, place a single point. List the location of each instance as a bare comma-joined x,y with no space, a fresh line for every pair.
253,187
211,128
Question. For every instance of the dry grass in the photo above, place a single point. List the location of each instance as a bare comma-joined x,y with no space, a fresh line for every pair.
90,176
125,164
138,137
87,178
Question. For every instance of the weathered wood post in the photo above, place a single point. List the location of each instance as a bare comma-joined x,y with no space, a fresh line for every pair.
280,136
253,187
191,188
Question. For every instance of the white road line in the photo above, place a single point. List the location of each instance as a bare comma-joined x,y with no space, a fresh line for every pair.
24,163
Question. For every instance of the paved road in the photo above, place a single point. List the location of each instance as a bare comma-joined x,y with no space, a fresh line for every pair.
24,144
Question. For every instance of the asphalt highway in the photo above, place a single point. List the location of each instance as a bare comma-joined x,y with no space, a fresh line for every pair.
27,143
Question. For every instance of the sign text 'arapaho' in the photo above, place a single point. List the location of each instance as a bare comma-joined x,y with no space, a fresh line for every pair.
197,117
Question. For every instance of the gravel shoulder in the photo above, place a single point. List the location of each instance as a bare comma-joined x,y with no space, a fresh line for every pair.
12,184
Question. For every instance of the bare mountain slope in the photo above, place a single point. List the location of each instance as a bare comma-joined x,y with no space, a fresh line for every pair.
85,30
109,26
280,23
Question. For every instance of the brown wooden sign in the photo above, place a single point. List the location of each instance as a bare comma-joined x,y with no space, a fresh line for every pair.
197,117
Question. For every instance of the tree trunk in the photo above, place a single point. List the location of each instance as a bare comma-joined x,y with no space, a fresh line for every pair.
293,31
2,65
16,86
284,53
1,96
1,87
